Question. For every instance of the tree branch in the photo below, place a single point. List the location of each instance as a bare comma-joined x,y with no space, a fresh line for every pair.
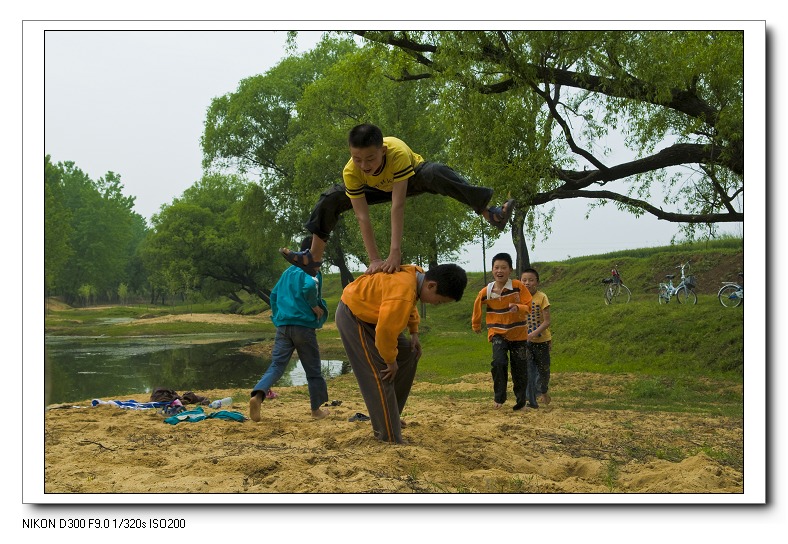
673,217
675,155
682,100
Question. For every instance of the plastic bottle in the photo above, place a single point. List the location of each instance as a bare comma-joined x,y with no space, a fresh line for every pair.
226,401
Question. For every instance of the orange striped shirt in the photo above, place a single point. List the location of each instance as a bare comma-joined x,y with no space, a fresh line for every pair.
500,319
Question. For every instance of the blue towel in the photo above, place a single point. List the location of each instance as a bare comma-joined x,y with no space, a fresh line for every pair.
130,404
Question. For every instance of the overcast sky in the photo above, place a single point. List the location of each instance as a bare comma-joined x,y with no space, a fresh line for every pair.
136,107
134,102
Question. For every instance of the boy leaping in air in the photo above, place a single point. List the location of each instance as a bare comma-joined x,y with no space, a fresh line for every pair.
386,170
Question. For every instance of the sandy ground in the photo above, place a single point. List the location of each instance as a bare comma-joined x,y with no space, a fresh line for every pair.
457,443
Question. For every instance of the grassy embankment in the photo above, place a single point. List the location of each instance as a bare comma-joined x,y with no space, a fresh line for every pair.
683,358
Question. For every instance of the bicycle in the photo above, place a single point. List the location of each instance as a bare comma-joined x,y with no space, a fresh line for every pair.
684,291
615,290
731,294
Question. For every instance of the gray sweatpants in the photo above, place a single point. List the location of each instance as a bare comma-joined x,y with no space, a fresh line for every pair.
385,400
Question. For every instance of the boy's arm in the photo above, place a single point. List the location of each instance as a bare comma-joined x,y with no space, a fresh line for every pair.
534,334
546,317
393,316
309,292
525,299
361,209
476,318
399,193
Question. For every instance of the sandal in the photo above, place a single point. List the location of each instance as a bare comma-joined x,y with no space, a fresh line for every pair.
498,216
358,416
302,259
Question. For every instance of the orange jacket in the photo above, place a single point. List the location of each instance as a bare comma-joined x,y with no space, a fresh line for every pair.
500,320
389,302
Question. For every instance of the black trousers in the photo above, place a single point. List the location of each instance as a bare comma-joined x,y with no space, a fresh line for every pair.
430,177
503,350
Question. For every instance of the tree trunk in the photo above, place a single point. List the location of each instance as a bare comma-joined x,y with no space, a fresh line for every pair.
264,294
520,245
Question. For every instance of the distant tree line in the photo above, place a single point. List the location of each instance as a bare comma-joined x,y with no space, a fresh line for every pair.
91,237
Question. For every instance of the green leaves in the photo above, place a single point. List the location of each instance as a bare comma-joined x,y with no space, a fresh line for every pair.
533,107
91,232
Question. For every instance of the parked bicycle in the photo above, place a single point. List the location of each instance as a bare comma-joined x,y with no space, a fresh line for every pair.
615,290
684,291
731,294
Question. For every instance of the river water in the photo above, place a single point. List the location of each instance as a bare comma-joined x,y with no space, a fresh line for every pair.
79,368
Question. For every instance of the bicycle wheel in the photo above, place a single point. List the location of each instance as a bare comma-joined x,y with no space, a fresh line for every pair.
619,294
664,297
685,295
611,293
624,294
729,296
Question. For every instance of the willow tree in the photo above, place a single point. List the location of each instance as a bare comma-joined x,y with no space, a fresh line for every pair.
534,111
289,127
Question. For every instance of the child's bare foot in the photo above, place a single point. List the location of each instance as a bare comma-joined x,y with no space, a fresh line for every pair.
544,398
254,406
320,413
497,405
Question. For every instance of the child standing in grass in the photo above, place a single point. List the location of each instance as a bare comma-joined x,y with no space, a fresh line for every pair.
508,304
540,340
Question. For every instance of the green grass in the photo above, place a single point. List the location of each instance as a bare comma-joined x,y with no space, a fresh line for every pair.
675,351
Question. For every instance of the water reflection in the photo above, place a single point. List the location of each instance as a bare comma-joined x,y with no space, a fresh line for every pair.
94,367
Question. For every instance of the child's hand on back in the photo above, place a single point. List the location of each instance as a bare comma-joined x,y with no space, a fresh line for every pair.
375,266
391,264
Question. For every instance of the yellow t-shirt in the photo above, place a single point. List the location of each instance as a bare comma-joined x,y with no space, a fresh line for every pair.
399,163
539,302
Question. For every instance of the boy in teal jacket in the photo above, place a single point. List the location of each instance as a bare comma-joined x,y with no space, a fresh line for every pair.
297,310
